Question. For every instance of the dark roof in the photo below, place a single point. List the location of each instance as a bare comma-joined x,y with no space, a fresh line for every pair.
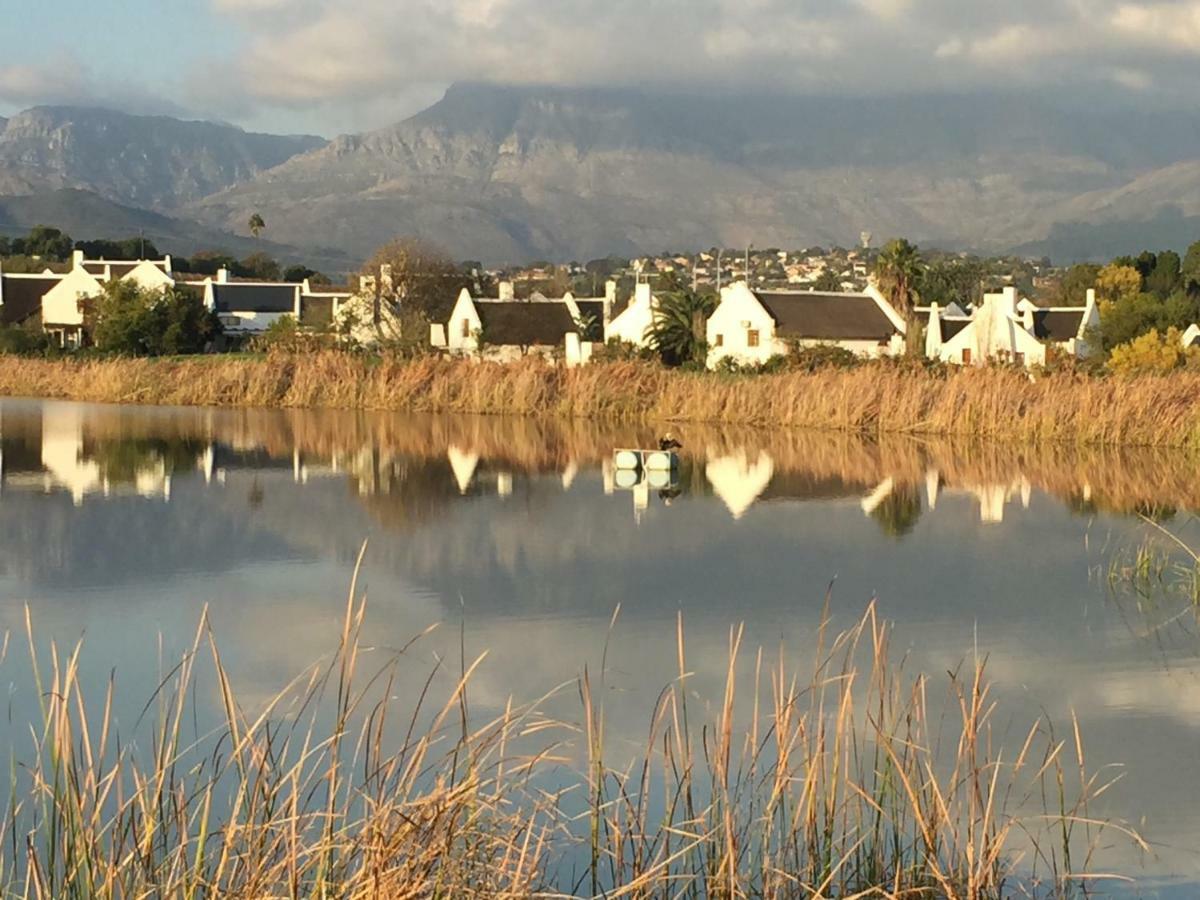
1057,324
592,310
256,298
118,268
23,295
827,316
316,312
951,327
525,324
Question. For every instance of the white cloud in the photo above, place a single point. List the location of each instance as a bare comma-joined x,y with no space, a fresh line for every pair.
1174,25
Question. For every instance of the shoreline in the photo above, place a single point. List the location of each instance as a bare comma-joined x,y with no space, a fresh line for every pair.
874,398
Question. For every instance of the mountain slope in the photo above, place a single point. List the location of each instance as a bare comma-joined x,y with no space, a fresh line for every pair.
153,162
513,173
86,215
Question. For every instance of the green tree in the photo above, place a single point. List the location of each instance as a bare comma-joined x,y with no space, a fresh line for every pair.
131,320
953,281
1124,320
258,265
44,242
1078,280
677,333
1165,278
256,225
1190,270
899,269
828,281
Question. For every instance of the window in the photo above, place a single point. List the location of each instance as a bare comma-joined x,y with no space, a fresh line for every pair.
966,357
752,338
466,328
720,341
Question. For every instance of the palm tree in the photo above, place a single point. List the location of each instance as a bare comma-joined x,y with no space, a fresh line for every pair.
256,225
678,331
898,271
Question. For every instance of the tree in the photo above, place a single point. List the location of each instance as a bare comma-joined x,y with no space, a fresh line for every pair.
1115,282
952,281
1121,321
129,319
44,242
828,281
256,225
899,269
1164,279
1151,353
423,278
126,248
258,265
1190,270
677,333
1078,280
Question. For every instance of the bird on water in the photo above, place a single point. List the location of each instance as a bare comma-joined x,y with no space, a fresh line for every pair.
669,442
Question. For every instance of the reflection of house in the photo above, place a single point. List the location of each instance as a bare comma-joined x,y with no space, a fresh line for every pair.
993,498
1006,329
47,451
506,329
739,481
752,326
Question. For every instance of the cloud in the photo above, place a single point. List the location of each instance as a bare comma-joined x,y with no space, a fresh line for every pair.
64,80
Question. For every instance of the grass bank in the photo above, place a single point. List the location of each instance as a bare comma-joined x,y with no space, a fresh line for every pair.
876,398
840,776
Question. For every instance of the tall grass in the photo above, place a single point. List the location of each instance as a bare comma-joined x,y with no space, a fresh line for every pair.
882,397
841,777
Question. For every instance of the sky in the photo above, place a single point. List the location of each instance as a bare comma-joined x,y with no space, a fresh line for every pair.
334,66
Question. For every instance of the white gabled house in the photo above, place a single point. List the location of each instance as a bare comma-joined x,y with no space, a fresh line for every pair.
1005,328
505,329
250,307
635,322
1191,337
750,326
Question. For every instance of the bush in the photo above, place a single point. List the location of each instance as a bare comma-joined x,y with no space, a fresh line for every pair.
130,320
18,341
1153,353
822,356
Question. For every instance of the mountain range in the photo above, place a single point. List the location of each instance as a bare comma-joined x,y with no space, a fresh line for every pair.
508,174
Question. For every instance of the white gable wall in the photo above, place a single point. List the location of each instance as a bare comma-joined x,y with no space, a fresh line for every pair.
737,317
464,325
61,304
635,321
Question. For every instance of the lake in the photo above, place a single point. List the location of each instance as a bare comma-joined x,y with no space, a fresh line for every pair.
123,524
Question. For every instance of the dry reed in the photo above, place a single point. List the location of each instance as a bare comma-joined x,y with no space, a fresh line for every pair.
845,780
877,398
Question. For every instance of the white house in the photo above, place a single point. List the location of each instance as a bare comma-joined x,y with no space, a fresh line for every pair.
752,326
505,329
1006,328
250,307
21,297
1191,337
633,324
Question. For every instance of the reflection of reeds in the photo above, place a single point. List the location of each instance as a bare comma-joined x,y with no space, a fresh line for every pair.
845,780
998,403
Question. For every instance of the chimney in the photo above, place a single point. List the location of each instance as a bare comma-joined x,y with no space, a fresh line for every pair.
506,290
386,285
222,275
76,259
642,294
610,291
366,285
167,264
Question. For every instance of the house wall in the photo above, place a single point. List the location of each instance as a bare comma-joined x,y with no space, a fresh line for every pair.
241,322
634,323
729,327
61,304
996,332
149,276
464,317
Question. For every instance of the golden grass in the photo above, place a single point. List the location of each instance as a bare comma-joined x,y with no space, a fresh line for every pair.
841,778
877,398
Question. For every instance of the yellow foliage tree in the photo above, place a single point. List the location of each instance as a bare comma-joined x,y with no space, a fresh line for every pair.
1114,282
1153,353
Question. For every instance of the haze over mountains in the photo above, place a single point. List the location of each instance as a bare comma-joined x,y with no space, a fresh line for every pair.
507,174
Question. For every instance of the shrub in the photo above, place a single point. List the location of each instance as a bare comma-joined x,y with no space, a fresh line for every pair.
1153,353
130,320
18,341
822,356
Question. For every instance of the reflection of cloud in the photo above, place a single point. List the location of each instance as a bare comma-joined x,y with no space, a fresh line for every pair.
738,481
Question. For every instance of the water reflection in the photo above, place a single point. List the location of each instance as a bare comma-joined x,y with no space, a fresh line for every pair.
126,522
424,464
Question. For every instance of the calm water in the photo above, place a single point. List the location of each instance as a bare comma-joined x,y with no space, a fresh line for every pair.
124,523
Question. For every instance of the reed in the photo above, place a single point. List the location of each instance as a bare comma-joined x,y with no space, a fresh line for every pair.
843,777
876,398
